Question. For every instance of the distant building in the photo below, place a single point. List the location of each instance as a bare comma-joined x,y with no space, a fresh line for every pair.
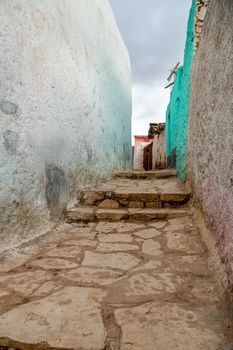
150,151
140,142
159,159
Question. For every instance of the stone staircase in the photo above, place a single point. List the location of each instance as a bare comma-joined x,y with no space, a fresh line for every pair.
133,196
115,285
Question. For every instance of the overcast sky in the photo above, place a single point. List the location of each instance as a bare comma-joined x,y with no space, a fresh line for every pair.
154,32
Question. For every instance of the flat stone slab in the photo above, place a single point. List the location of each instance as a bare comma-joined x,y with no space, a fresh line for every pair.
115,238
47,288
80,214
24,283
120,227
177,224
116,247
54,263
159,224
144,284
60,234
115,215
168,327
184,242
11,260
64,252
119,192
109,204
150,265
120,261
81,243
149,233
160,174
68,319
111,214
151,247
146,215
90,276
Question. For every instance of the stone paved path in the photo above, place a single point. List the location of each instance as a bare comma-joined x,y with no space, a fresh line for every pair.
113,286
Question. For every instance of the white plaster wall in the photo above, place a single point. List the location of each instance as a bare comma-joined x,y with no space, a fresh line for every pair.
65,108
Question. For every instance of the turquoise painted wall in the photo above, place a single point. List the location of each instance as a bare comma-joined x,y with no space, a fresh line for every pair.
178,108
173,112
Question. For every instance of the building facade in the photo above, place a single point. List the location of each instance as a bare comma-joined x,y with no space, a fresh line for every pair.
210,136
65,108
178,109
140,142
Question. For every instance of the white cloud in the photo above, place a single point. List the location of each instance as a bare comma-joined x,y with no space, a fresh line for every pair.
154,32
149,106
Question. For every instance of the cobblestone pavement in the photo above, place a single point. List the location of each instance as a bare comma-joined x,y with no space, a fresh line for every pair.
112,286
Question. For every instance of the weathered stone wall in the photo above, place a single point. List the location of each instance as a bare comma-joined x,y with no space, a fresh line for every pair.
202,6
210,141
159,151
65,108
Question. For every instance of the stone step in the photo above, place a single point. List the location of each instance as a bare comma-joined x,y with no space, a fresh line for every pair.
92,214
136,194
157,174
116,199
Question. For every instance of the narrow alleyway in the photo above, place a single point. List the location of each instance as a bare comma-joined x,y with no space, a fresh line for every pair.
100,282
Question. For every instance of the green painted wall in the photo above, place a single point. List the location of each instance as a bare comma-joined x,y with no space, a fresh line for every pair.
178,108
172,118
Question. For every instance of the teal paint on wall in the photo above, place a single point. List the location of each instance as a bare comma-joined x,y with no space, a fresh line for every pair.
172,117
178,108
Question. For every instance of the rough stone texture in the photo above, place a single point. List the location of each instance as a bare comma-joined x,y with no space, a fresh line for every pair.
56,317
11,259
150,247
154,204
148,233
150,265
210,142
116,247
65,108
111,214
115,215
134,174
106,227
90,276
160,295
136,205
180,241
121,261
163,327
54,264
81,243
159,158
115,237
145,284
202,6
109,204
24,283
64,252
152,193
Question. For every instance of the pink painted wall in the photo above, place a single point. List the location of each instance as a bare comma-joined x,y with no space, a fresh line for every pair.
139,143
